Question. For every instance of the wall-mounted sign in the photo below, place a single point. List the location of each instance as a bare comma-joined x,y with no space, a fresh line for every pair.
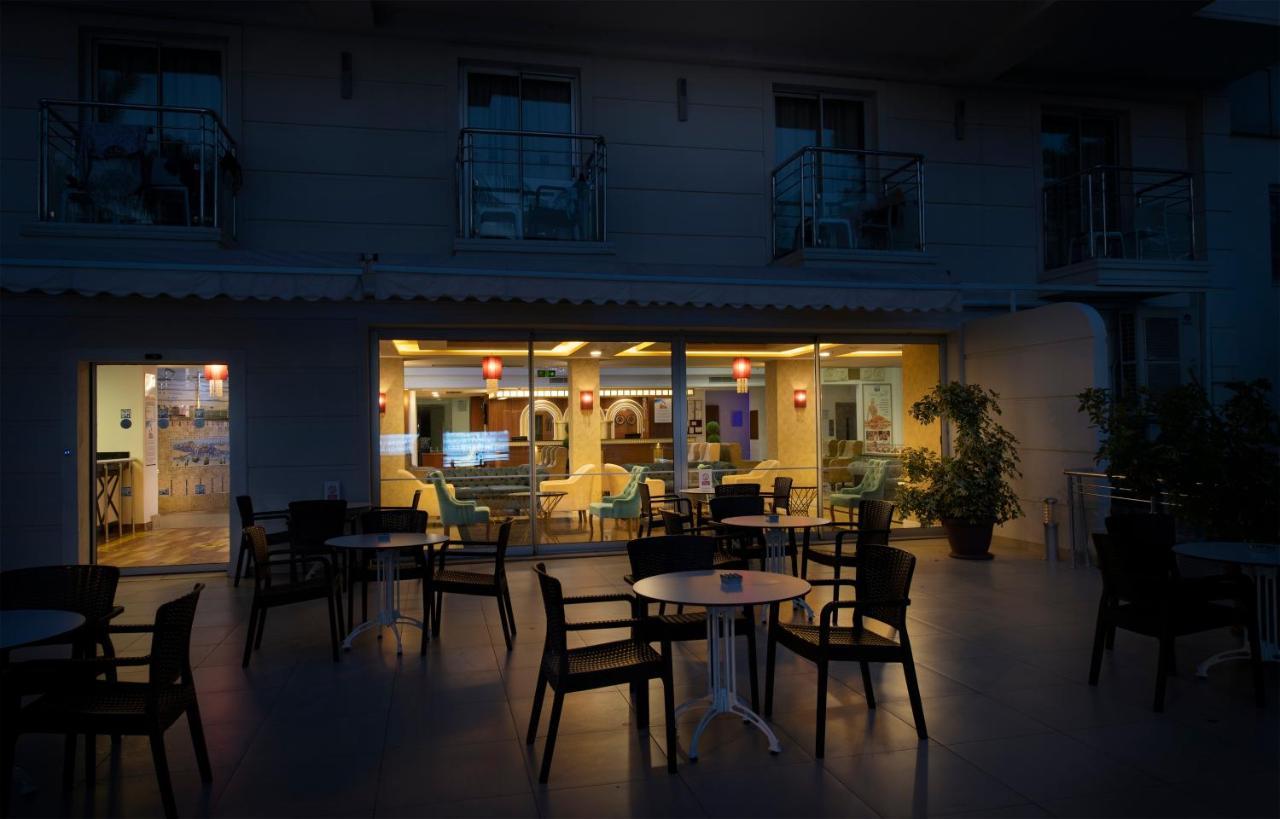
163,420
126,418
877,419
553,372
834,374
199,414
662,410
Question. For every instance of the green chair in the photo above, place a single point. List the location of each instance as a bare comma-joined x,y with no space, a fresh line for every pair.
870,488
454,512
626,505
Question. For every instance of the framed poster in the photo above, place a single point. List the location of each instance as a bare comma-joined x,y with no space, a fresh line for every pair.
662,410
877,418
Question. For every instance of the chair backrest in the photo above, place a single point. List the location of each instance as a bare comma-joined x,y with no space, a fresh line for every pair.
884,573
1147,539
256,538
646,502
393,520
555,652
417,496
312,522
670,553
725,490
1134,575
171,640
782,492
875,519
873,479
673,523
499,546
89,591
732,506
634,482
244,505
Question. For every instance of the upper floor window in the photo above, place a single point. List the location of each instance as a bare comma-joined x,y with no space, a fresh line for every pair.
519,101
155,73
816,120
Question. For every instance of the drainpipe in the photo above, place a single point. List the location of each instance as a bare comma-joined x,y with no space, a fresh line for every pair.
1050,531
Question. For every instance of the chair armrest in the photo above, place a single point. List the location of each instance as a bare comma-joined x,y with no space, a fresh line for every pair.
276,514
302,560
115,612
832,581
131,628
599,598
629,622
830,609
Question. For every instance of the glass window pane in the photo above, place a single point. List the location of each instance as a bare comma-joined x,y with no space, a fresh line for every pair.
843,124
127,74
795,125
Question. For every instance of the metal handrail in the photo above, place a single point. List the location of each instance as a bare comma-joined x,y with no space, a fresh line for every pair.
136,106
1083,483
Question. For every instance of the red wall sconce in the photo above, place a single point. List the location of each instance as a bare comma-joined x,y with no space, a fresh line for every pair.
586,400
382,403
800,398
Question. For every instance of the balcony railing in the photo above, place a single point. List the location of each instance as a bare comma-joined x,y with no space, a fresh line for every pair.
531,185
128,164
843,199
1108,212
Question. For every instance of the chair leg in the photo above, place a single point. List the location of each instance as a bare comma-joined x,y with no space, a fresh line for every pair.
502,617
90,759
197,740
333,625
439,610
867,690
248,637
511,613
835,587
820,740
162,774
351,597
240,561
557,705
913,691
640,696
751,660
1100,632
1162,673
539,691
262,626
669,711
364,595
770,662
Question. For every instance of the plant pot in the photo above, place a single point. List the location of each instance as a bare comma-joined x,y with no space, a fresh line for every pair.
969,541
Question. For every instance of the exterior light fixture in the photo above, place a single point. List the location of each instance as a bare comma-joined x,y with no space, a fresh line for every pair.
382,403
491,367
216,375
742,372
800,398
595,353
586,400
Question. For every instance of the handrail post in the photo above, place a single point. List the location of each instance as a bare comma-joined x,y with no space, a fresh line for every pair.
203,170
1191,207
601,208
42,176
920,203
216,173
773,215
1093,252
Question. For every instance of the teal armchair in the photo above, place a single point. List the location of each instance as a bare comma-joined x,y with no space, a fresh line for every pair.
623,506
870,488
454,512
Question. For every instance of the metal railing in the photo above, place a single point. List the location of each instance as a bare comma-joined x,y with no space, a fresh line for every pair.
1090,498
126,163
845,199
531,185
1109,212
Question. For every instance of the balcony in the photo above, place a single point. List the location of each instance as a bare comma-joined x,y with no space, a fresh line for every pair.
834,204
546,190
115,169
1122,226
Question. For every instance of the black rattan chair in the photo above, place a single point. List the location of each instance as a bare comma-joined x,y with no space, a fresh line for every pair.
883,585
312,522
1142,595
875,517
250,517
684,553
413,565
270,592
79,703
781,504
481,584
631,661
89,591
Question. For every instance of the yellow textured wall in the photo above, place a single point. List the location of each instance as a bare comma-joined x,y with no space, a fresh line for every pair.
391,422
792,432
919,376
585,428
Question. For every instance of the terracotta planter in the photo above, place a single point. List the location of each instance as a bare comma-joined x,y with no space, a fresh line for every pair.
969,541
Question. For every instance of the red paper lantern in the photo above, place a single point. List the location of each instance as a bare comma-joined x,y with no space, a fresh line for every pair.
742,372
216,375
491,368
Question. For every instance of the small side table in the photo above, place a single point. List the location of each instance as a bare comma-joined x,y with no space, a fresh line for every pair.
1260,561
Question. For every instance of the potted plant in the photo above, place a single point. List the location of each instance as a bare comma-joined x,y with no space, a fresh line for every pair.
969,491
713,432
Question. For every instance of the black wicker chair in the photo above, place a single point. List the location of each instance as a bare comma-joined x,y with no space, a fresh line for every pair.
480,584
89,591
875,517
312,522
883,585
270,592
781,503
734,490
677,523
1142,595
413,565
631,661
77,702
684,553
250,517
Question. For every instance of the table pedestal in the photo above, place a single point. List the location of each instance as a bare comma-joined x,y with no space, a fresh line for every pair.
389,616
1265,586
775,560
722,673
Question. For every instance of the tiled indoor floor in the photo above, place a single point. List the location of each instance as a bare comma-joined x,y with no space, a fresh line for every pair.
1002,651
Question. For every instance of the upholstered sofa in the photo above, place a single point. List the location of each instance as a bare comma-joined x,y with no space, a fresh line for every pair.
761,474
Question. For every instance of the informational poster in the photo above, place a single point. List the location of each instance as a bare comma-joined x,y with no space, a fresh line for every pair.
662,410
149,434
877,418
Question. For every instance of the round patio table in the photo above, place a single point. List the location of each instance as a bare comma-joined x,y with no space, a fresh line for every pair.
386,548
777,530
1260,561
22,627
703,588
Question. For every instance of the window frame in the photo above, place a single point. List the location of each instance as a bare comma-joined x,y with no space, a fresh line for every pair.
157,41
521,72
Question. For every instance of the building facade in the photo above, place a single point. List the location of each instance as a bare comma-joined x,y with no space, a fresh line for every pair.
523,257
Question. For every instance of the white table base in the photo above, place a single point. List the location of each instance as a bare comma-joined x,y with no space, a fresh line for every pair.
775,560
389,616
1264,583
723,674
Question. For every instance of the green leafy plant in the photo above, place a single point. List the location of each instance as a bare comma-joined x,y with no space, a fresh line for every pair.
973,485
1216,468
713,432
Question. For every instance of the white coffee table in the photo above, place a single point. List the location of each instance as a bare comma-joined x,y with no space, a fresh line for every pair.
1260,561
386,548
777,531
703,588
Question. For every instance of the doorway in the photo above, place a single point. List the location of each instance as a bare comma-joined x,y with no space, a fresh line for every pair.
161,466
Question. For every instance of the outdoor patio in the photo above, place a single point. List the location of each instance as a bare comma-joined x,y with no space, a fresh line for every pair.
1002,650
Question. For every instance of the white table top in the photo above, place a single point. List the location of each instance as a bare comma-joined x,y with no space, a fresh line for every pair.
783,522
386,540
702,588
696,491
20,627
1225,551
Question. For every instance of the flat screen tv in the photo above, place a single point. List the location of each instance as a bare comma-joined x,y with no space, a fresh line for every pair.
476,448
